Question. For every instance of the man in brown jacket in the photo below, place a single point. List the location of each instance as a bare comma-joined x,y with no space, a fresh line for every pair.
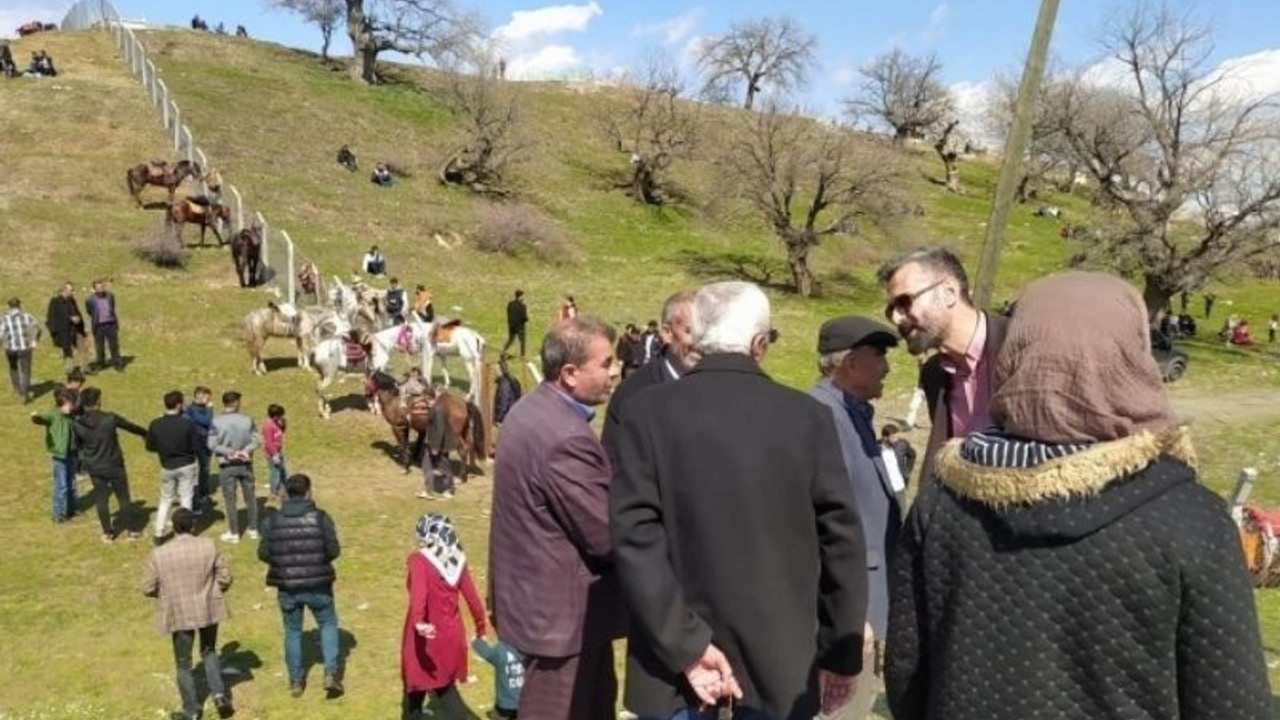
927,293
550,558
189,576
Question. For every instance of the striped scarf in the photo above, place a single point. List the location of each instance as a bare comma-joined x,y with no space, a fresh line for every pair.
994,448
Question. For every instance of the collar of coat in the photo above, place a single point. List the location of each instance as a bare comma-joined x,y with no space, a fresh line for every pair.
1082,474
732,362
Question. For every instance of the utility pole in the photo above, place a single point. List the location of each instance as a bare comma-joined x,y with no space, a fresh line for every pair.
1014,150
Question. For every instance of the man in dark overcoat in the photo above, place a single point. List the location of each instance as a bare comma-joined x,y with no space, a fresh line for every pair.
66,326
736,535
551,582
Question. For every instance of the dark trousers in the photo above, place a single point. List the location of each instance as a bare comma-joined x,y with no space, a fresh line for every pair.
183,640
580,687
241,476
103,488
514,334
20,372
448,699
104,335
201,496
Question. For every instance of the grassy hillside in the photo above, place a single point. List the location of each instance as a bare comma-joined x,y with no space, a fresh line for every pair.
271,118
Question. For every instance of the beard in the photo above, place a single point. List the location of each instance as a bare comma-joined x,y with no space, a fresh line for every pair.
920,339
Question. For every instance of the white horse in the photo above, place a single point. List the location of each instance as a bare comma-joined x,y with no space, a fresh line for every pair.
348,303
306,327
452,340
332,364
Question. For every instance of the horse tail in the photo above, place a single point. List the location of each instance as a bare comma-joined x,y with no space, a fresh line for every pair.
476,423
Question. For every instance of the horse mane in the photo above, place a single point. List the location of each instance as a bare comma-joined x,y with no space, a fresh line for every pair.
384,381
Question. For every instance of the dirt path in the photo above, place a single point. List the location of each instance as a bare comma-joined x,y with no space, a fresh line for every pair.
1225,407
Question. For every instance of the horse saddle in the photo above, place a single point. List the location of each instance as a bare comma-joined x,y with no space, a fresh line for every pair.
354,351
308,278
419,405
157,169
443,331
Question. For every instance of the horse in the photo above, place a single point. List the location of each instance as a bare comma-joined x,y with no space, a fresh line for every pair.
457,423
164,174
445,339
350,304
246,253
198,210
335,357
310,282
306,327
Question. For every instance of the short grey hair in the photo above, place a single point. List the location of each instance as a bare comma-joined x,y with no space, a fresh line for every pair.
727,316
569,343
828,361
674,304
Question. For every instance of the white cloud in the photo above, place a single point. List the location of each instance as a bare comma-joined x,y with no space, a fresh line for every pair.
1247,78
844,74
936,24
550,20
549,61
673,30
13,14
973,103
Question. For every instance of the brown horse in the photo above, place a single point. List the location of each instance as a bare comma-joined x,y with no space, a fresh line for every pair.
461,431
164,174
246,253
198,210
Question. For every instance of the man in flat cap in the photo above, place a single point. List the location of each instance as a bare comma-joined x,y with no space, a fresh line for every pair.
851,358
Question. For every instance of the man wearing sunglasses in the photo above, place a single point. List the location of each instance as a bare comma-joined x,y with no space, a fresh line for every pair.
928,301
851,359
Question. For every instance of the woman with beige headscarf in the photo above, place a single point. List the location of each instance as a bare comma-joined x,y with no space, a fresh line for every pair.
1067,564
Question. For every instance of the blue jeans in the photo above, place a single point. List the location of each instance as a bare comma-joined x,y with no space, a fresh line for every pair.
64,488
322,609
276,474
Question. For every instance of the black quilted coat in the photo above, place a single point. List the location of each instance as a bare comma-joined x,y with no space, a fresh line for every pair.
299,545
1107,584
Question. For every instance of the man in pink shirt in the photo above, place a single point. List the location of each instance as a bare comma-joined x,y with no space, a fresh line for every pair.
928,300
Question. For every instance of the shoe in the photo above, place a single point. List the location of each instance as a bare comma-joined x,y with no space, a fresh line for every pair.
425,495
446,495
229,537
222,704
108,538
297,688
252,535
132,535
157,540
332,685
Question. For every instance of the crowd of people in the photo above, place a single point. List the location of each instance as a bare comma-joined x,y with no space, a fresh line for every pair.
754,544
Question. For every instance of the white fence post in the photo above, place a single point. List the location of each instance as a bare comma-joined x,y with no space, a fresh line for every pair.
151,87
177,128
239,207
186,131
288,249
163,97
204,167
266,235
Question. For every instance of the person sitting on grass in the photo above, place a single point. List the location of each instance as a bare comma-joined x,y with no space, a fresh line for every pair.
382,176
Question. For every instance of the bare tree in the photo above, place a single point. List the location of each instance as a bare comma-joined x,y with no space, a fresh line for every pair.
904,92
808,182
324,14
653,127
772,51
1191,167
489,126
945,146
1047,152
429,29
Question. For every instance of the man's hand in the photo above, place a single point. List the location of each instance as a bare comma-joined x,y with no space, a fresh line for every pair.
868,642
835,691
712,678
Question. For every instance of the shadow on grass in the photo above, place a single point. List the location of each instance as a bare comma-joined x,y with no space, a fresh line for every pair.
759,269
279,363
42,388
238,664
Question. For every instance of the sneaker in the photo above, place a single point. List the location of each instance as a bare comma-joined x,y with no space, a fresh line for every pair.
332,685
297,688
252,535
108,538
425,495
132,535
446,495
157,540
223,705
229,537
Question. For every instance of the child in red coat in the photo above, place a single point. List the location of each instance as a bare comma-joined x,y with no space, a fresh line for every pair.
433,651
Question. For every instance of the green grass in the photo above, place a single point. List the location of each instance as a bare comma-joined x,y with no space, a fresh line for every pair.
71,619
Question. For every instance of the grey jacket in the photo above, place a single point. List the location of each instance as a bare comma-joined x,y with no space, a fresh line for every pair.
877,502
232,433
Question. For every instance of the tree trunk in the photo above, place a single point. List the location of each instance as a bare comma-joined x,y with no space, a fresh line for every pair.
364,45
1156,295
751,96
1021,195
900,136
953,173
644,186
798,259
326,31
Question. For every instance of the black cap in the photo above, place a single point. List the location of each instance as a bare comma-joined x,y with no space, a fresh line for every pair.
850,331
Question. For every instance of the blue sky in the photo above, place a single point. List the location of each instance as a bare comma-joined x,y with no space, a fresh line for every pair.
973,38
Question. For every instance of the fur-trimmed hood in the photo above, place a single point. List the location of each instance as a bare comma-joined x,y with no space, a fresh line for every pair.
1075,495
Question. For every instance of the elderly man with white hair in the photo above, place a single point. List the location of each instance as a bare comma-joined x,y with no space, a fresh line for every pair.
736,536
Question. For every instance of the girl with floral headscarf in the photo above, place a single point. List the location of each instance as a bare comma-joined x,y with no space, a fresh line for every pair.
433,652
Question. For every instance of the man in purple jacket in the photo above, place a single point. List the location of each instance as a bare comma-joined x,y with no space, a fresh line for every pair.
550,557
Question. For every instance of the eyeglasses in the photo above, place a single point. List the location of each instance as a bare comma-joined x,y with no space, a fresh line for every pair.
902,303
